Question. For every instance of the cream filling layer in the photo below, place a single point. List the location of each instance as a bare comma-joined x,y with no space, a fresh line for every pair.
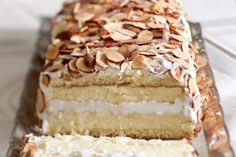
125,108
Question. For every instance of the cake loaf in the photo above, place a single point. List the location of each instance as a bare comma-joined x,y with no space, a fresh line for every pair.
87,146
120,67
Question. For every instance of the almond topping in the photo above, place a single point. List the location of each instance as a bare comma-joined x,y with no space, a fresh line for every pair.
54,68
101,58
192,87
45,80
117,36
72,65
52,53
40,102
124,66
90,60
178,53
114,56
127,32
29,148
80,64
132,28
178,37
145,36
77,53
138,62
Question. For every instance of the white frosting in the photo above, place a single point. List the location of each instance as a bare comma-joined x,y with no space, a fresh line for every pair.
87,146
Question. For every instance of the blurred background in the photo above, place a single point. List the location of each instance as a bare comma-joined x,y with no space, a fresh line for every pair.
20,21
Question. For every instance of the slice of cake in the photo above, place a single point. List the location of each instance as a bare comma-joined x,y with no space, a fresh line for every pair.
120,68
87,146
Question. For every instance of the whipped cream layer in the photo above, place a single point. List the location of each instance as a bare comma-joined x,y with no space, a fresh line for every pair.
87,146
125,108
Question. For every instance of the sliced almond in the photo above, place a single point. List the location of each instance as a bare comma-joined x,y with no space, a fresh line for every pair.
134,54
145,36
90,60
147,53
127,32
119,16
192,86
154,25
52,53
144,47
80,64
114,56
82,17
124,66
45,80
117,36
29,149
132,28
40,102
178,37
77,53
72,65
179,53
54,68
138,24
112,27
182,62
101,58
170,46
138,62
178,72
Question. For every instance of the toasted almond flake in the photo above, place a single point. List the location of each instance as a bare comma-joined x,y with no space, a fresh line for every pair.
45,80
144,47
72,65
147,53
54,68
78,53
127,32
132,48
166,34
155,25
178,72
134,54
101,59
111,27
76,8
114,56
124,66
137,24
132,28
82,17
90,60
40,102
159,19
145,36
29,149
52,53
178,53
178,37
124,51
192,86
138,62
182,62
80,64
174,30
170,46
117,36
119,16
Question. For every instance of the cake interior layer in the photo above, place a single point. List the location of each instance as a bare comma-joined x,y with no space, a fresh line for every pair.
110,77
87,146
116,94
148,126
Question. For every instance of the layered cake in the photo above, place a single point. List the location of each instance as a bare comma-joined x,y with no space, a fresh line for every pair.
87,146
120,67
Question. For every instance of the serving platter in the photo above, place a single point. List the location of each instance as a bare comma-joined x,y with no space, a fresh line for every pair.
213,141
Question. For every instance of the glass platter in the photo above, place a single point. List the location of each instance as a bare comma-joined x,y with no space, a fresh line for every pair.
213,141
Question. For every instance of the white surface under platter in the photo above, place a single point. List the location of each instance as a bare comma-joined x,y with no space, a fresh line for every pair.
20,20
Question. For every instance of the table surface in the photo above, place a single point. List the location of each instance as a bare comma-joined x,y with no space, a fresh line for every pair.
18,33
